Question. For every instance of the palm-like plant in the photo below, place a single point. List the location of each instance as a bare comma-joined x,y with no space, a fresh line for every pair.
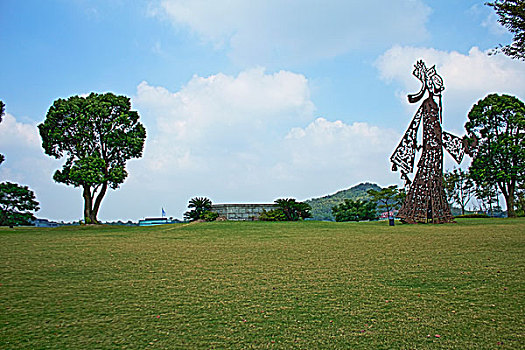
199,206
293,210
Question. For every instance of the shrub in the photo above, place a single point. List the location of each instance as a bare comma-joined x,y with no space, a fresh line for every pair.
210,216
272,215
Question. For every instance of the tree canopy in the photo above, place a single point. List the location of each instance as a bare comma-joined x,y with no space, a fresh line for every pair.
389,198
355,210
512,16
16,204
97,135
287,209
200,209
497,122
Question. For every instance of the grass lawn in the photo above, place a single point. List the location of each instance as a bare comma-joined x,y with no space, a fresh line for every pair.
230,285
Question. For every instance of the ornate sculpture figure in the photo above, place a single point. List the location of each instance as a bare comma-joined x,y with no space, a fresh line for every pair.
425,200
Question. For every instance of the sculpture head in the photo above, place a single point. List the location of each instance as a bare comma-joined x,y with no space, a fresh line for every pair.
430,80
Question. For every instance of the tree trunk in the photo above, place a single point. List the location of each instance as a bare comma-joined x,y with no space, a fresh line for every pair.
88,206
98,201
508,194
510,204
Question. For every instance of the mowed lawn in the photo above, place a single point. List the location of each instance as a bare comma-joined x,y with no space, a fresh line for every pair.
233,285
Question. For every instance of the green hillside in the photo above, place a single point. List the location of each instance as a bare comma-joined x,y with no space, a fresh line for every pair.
322,207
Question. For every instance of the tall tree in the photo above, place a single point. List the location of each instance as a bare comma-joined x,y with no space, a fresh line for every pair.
497,122
199,206
16,204
2,111
459,187
388,198
97,134
512,16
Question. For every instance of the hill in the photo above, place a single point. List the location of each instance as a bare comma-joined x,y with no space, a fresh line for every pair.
322,207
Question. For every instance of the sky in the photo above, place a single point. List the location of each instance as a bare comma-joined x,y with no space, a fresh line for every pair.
243,101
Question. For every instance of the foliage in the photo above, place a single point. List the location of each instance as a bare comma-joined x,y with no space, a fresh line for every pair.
322,207
97,134
459,187
388,199
512,16
486,194
2,111
16,204
497,122
210,216
293,210
199,207
520,199
355,210
272,215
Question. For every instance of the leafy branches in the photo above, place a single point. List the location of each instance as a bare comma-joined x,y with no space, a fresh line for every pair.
97,135
288,209
355,210
497,122
200,209
389,198
512,16
16,204
459,187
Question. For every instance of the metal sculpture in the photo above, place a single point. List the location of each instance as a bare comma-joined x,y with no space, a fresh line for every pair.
425,200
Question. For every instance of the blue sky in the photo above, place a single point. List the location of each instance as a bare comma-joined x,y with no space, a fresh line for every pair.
243,101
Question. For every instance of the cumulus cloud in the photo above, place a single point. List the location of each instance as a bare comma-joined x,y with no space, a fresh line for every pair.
468,77
333,151
252,137
259,31
249,138
235,113
26,164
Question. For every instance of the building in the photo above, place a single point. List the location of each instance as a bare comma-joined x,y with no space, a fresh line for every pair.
44,223
241,212
156,221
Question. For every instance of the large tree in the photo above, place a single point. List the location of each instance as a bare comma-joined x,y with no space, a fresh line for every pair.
16,204
97,135
497,122
512,16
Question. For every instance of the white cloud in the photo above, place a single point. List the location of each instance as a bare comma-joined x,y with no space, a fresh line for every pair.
25,163
246,138
468,77
259,31
236,113
336,152
242,138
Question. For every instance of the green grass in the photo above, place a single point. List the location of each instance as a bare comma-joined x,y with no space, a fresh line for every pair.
230,285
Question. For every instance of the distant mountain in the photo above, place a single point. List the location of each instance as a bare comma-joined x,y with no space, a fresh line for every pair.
322,207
